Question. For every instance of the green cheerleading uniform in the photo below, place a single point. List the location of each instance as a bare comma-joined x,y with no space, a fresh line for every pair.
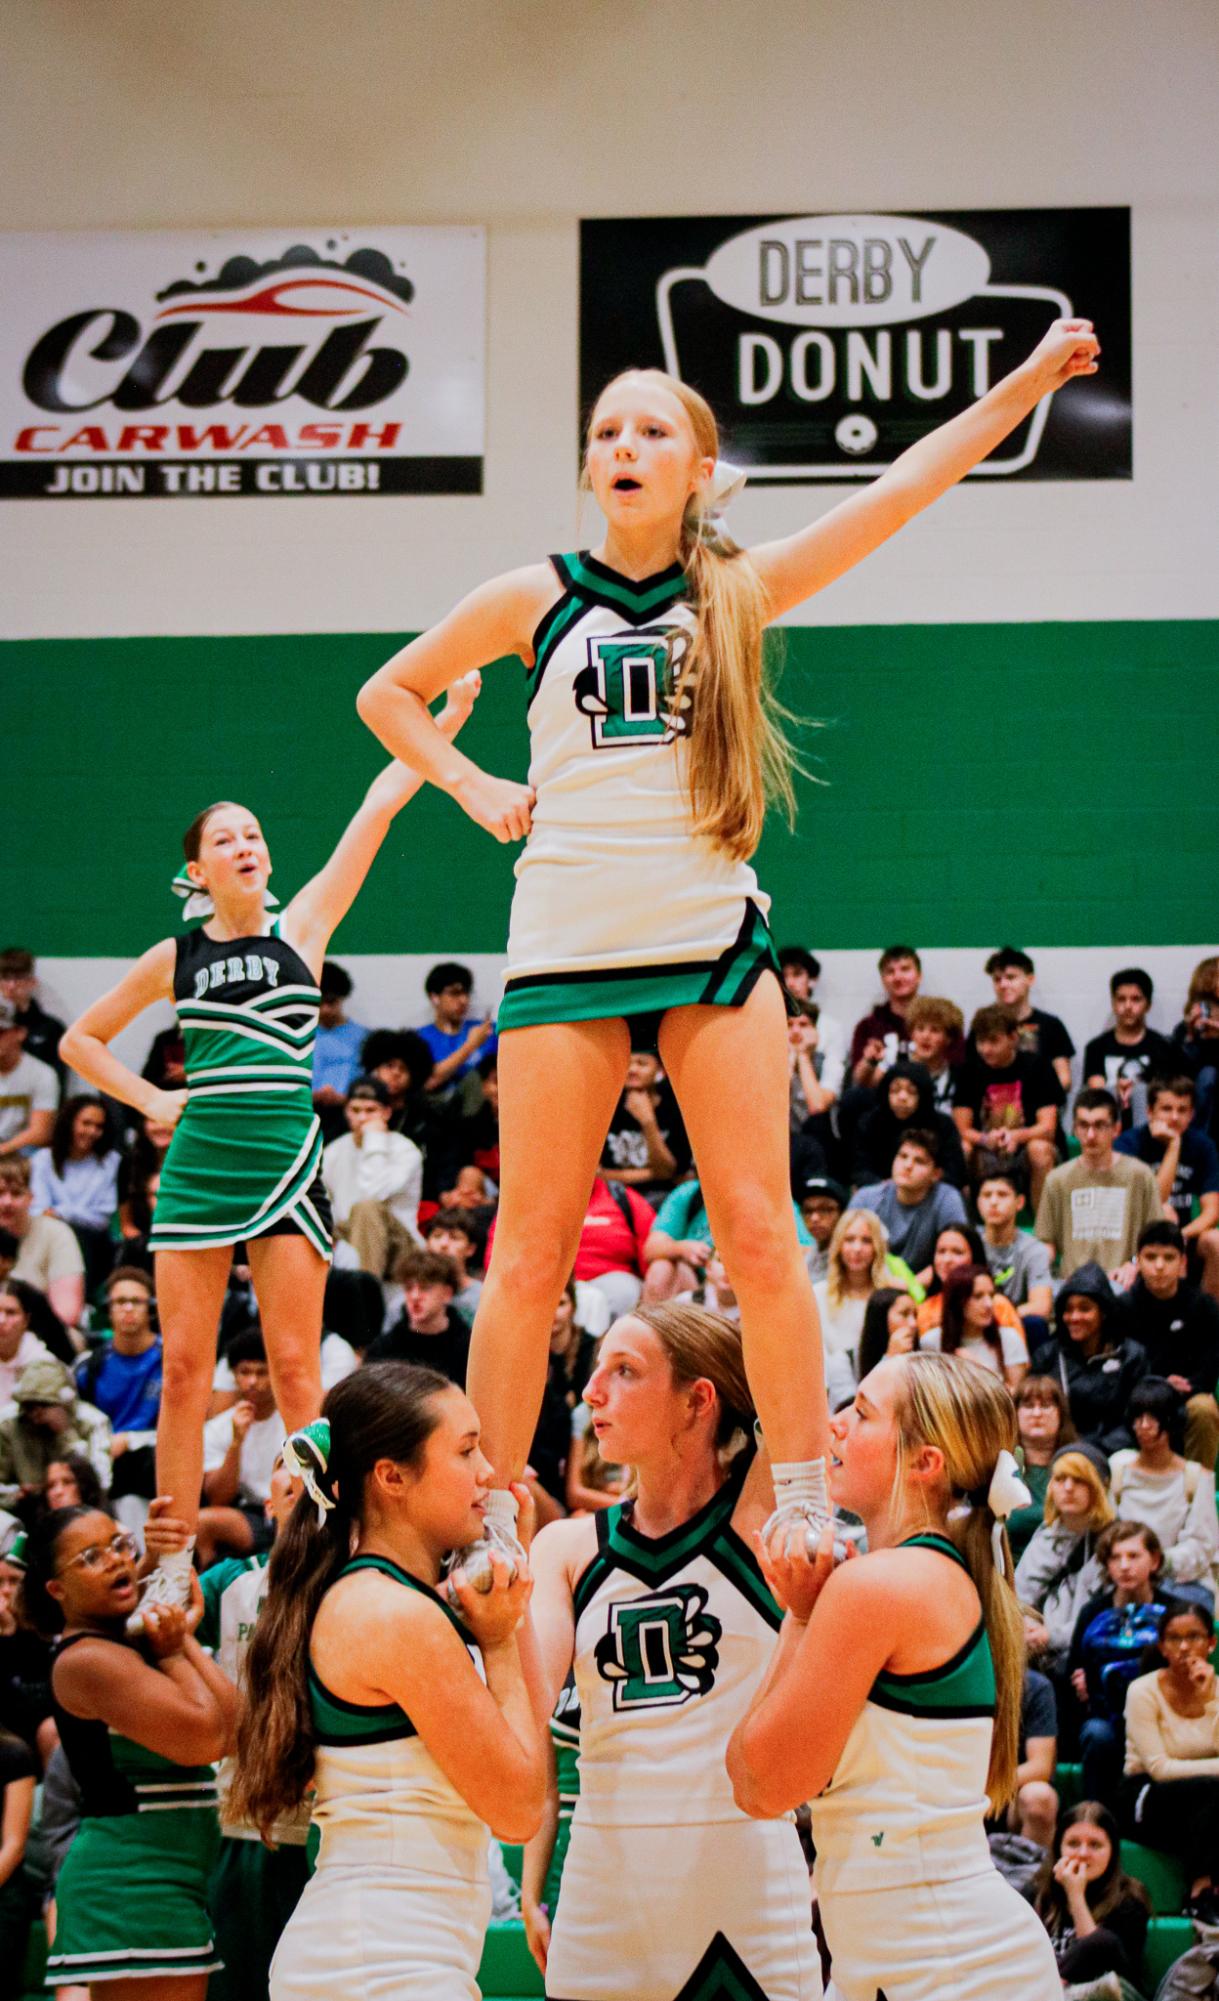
245,1157
620,908
132,1895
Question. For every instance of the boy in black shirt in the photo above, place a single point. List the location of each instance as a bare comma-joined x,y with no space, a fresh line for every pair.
646,1146
1186,1166
1178,1326
1129,1054
1011,973
429,1332
1006,1101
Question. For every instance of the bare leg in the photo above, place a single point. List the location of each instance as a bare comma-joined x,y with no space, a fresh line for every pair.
290,1283
1042,1156
190,1294
728,1067
221,1531
170,1987
558,1085
667,1277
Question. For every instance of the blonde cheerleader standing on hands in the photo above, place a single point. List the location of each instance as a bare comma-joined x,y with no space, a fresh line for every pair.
243,1164
892,1701
653,754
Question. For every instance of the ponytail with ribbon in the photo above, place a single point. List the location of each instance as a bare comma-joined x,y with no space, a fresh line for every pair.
197,902
306,1457
706,509
1005,1492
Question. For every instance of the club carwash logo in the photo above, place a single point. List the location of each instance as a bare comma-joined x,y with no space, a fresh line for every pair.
266,370
858,332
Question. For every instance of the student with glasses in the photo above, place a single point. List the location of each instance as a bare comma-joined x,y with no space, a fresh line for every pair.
141,1724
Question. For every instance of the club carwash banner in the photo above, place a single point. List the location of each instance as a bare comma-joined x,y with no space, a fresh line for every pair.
281,363
827,344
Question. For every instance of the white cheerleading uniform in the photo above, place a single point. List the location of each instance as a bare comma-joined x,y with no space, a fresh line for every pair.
616,898
399,1904
670,1892
912,1905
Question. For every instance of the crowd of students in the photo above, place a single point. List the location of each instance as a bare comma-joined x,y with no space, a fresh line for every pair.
946,1200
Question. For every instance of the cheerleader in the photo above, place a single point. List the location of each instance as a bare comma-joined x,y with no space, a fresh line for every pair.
653,751
893,1700
141,1726
670,1891
413,1723
243,1164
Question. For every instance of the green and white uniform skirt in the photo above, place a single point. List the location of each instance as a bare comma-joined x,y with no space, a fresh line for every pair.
132,1896
644,991
237,1168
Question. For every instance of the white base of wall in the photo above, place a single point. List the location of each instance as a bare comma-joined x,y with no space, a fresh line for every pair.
389,985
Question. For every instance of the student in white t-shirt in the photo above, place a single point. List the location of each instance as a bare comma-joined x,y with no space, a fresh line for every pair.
240,1447
48,1255
29,1090
18,1342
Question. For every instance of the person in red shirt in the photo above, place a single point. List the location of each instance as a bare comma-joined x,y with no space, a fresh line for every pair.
617,1224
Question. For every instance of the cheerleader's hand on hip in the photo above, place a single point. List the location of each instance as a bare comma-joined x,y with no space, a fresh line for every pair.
797,1579
498,805
166,1107
493,1615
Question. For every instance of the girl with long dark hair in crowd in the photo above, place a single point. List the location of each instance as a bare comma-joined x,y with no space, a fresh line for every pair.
141,1725
890,1327
76,1178
970,1326
1095,1914
654,749
413,1722
243,1164
893,1701
661,1606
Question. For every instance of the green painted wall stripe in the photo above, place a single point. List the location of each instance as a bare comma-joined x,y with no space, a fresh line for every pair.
1055,783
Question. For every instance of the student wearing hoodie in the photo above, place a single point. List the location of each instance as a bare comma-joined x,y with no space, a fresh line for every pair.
1113,1630
1060,1570
48,1422
1093,1358
905,1102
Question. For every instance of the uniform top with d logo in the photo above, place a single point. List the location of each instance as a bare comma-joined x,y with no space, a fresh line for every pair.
673,1634
618,907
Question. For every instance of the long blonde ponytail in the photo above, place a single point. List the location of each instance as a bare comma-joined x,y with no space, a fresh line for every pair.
739,758
949,1402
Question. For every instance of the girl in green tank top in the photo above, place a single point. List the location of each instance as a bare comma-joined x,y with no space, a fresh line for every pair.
243,1163
141,1727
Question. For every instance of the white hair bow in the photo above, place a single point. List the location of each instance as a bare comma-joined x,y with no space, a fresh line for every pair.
1006,1493
197,902
306,1457
708,506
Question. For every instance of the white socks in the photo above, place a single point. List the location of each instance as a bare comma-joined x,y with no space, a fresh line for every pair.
502,1510
802,1482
